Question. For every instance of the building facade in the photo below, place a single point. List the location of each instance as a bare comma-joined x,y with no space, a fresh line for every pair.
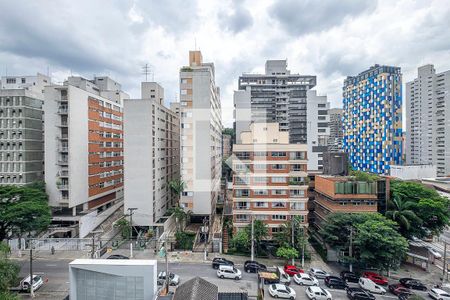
318,131
152,157
83,146
336,132
343,194
21,129
226,145
372,119
427,126
413,172
277,96
201,136
270,178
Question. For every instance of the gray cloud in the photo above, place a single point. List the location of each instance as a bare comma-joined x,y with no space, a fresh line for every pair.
238,20
307,16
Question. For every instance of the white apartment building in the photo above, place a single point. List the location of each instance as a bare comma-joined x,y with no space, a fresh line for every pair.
83,149
336,130
201,136
427,123
318,130
152,155
21,129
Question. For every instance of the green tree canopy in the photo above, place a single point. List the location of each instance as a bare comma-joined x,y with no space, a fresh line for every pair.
177,186
8,272
260,232
23,210
403,212
426,203
379,244
241,242
287,253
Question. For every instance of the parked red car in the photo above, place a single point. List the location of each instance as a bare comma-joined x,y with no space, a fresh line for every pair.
292,270
398,289
377,278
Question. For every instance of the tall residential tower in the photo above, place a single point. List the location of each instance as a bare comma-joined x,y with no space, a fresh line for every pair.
427,122
201,136
277,96
21,129
373,119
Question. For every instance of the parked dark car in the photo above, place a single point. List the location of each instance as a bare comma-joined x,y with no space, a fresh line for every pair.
348,276
118,256
219,261
251,266
359,294
407,296
398,289
413,284
335,282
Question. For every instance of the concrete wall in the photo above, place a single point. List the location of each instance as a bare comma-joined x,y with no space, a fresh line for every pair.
92,279
413,172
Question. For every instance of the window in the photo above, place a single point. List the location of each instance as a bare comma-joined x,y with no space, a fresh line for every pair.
183,92
278,167
278,179
321,105
278,154
243,155
259,180
241,218
279,217
242,205
184,80
298,205
297,193
279,205
260,192
240,167
321,130
10,80
279,192
261,204
259,167
241,193
260,154
276,229
262,217
242,180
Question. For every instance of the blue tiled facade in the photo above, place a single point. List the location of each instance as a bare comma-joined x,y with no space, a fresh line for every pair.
372,119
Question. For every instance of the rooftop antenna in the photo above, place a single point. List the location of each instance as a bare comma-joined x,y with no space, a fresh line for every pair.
146,69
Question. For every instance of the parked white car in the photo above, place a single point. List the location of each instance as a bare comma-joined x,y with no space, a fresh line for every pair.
318,293
229,272
369,285
438,294
281,291
174,279
305,279
435,253
38,281
318,273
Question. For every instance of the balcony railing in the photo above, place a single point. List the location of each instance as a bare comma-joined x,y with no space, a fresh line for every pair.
63,187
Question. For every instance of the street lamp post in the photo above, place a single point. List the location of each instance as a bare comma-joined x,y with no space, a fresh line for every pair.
131,211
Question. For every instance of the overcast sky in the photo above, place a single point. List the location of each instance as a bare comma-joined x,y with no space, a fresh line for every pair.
327,38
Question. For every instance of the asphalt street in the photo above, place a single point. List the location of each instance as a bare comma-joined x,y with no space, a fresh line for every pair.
56,273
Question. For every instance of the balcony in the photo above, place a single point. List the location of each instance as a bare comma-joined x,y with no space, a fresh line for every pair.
63,161
62,124
63,149
63,110
62,187
63,136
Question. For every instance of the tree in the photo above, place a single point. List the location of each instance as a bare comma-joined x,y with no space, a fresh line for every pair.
180,216
260,232
8,272
336,229
428,206
23,210
402,212
229,131
287,253
379,245
435,214
411,191
177,186
241,242
124,227
363,176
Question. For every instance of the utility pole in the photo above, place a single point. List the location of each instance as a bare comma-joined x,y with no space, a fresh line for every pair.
303,247
444,262
350,249
131,211
252,239
293,237
31,269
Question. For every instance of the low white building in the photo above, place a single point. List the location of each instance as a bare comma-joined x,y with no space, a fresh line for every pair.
413,172
132,279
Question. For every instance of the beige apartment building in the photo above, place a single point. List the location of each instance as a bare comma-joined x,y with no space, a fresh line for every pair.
201,136
270,178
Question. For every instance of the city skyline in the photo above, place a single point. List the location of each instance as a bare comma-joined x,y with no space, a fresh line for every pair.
359,32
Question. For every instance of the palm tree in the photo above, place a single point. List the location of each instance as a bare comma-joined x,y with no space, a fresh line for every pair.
177,186
400,211
179,214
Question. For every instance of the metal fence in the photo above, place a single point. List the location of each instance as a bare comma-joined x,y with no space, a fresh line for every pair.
65,244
